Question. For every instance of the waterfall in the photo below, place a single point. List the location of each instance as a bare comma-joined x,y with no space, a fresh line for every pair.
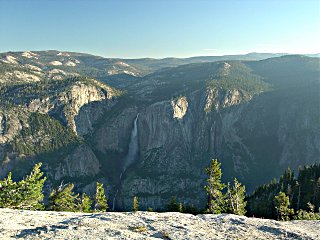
131,155
133,146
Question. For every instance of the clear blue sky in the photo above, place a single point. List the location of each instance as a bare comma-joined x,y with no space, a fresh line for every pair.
160,28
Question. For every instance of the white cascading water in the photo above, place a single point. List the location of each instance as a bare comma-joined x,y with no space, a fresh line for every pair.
131,155
133,146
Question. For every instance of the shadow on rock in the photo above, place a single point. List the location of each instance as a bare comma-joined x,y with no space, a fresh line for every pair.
279,232
40,230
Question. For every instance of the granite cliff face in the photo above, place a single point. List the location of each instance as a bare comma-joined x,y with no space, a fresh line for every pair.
81,162
256,117
81,94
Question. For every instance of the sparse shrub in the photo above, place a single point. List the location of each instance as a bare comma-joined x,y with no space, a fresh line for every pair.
139,228
165,235
307,215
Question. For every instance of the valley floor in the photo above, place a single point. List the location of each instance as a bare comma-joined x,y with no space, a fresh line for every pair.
15,224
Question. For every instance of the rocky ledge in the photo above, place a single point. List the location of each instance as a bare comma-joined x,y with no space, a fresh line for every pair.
15,224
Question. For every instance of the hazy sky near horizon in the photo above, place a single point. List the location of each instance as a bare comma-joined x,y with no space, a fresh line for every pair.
163,28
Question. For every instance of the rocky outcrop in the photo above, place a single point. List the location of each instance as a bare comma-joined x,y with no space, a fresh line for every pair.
90,114
81,94
11,122
41,105
16,224
220,98
180,107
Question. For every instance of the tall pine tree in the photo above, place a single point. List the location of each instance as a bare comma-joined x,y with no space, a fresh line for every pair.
214,188
31,190
235,198
100,199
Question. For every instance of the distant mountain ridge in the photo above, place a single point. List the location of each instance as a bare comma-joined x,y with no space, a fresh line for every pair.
75,63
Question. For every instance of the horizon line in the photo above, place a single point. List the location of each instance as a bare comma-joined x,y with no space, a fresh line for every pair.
159,58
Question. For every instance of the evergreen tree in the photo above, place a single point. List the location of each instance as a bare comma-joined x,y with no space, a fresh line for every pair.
9,192
86,203
63,199
26,194
214,188
135,204
191,209
31,190
310,186
316,190
229,199
286,180
173,205
180,208
235,198
282,206
100,199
